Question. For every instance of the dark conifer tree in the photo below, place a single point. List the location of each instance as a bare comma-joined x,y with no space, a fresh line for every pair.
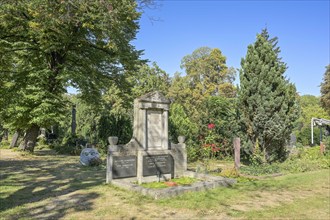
267,100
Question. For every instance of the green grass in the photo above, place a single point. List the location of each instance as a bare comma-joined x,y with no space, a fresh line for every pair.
179,181
184,180
244,199
316,207
154,185
46,185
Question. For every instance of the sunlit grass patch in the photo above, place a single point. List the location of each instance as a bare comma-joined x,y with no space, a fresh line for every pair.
183,181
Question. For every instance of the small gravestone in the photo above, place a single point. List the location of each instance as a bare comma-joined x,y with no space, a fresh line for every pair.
43,132
14,140
89,157
42,136
5,134
237,152
293,140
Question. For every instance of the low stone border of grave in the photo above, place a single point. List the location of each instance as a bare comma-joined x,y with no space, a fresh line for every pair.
207,182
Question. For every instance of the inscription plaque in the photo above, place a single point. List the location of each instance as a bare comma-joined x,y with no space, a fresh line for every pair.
123,166
157,164
154,129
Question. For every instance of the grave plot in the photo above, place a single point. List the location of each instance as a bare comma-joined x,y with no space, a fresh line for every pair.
149,156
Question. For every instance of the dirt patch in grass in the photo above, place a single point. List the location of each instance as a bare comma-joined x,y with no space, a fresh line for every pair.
7,154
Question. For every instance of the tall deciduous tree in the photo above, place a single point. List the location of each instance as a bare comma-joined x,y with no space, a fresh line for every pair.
149,79
325,90
310,108
267,100
46,46
206,75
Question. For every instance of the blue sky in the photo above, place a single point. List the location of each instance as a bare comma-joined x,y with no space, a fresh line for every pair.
301,26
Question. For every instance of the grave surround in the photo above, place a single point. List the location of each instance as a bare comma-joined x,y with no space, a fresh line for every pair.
149,156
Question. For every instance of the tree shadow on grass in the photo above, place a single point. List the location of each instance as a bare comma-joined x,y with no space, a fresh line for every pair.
39,188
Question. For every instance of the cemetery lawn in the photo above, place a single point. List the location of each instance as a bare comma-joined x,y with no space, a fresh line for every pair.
47,185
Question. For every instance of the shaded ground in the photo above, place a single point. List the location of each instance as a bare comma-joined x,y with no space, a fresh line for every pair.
46,185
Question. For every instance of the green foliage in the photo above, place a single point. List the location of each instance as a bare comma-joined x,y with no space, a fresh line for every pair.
222,112
5,144
149,79
308,100
304,136
201,97
154,185
179,181
193,150
180,124
113,114
303,160
262,169
230,173
325,90
310,108
206,75
69,145
326,142
267,101
114,125
307,159
184,180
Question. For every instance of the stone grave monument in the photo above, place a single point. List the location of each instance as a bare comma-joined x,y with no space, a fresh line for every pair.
149,156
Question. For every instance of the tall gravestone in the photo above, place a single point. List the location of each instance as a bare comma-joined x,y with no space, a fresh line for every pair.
237,152
14,140
149,156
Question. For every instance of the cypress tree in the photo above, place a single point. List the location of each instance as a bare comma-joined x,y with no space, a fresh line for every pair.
267,100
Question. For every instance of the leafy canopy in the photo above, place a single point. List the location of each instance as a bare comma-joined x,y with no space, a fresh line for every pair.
46,46
206,75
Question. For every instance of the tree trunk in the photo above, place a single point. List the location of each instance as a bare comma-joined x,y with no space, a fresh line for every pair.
30,138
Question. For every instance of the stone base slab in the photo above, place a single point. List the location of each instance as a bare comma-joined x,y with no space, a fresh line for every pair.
207,182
